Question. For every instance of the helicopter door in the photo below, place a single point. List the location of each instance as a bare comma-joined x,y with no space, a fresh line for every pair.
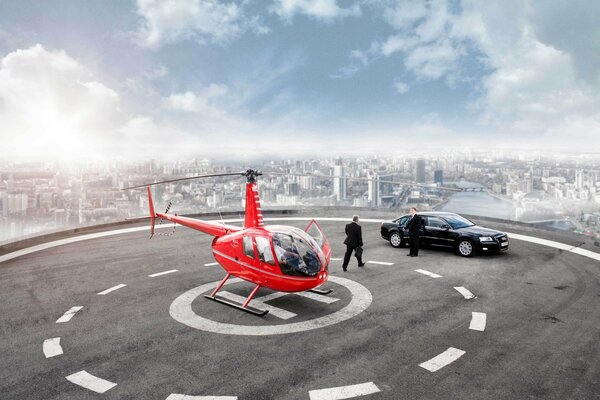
314,230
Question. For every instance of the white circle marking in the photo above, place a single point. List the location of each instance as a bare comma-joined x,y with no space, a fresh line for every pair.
181,311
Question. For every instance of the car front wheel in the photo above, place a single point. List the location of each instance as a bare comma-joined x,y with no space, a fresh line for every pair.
465,248
396,239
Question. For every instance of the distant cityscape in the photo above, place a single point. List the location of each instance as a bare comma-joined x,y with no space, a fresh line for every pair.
560,191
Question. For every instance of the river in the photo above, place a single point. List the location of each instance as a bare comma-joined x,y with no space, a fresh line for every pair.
478,203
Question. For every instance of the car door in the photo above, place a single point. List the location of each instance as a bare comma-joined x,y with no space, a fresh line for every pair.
436,231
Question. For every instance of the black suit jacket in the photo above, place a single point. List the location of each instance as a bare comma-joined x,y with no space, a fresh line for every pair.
415,224
353,235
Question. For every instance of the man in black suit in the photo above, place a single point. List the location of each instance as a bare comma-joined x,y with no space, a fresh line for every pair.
353,242
414,227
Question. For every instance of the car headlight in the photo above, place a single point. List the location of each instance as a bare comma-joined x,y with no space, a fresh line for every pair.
486,239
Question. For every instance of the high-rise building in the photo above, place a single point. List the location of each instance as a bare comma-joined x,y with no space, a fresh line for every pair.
373,192
420,171
291,189
339,182
438,176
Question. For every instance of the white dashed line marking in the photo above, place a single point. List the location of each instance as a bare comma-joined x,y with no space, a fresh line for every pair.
275,311
52,347
431,274
211,264
478,320
69,314
465,292
112,289
344,392
441,360
380,262
175,396
91,382
163,273
335,259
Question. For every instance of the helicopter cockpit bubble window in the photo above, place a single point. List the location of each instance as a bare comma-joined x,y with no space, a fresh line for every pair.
248,247
265,254
295,256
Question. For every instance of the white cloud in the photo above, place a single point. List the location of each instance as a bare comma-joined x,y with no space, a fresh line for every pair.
52,105
169,21
401,87
326,10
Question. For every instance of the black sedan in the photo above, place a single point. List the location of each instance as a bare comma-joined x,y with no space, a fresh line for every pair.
447,230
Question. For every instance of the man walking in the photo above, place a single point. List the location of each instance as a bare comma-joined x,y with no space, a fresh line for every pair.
353,242
414,227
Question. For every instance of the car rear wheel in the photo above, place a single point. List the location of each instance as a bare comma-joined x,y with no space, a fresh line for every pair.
465,248
396,239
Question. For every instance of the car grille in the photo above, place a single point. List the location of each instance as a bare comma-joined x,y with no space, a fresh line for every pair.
502,238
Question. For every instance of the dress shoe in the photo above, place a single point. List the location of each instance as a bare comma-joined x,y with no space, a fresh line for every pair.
345,270
409,255
361,265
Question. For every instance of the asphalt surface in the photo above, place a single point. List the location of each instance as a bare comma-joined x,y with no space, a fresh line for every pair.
541,340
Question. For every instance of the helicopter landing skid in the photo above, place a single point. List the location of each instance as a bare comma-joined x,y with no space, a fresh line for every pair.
243,307
322,292
251,310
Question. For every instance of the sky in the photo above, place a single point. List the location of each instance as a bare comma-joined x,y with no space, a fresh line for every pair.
132,80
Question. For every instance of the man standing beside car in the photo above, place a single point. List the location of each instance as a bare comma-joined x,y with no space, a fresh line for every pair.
414,227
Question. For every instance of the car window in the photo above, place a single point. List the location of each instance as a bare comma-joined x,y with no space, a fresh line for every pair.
457,222
435,222
403,221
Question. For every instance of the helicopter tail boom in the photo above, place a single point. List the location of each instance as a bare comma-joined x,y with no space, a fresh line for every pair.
152,213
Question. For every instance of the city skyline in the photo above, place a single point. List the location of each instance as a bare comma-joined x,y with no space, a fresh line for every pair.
293,78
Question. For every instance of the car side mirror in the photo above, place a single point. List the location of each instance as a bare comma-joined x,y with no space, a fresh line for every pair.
446,227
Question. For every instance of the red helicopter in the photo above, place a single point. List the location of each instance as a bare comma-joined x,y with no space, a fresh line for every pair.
278,257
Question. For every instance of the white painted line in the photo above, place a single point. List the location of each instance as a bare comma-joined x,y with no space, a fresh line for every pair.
344,392
175,396
465,292
211,264
69,314
431,274
272,296
163,273
478,320
586,253
318,297
336,259
112,289
543,242
275,311
441,360
91,382
380,263
52,347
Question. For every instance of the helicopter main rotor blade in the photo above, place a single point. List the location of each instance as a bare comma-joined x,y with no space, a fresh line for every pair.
188,178
407,183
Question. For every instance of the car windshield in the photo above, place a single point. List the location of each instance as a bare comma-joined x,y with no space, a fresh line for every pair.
457,222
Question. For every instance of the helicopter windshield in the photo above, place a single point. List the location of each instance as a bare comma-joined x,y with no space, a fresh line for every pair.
295,255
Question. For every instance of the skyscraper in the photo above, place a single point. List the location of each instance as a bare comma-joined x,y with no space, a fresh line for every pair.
373,192
438,176
420,171
339,180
